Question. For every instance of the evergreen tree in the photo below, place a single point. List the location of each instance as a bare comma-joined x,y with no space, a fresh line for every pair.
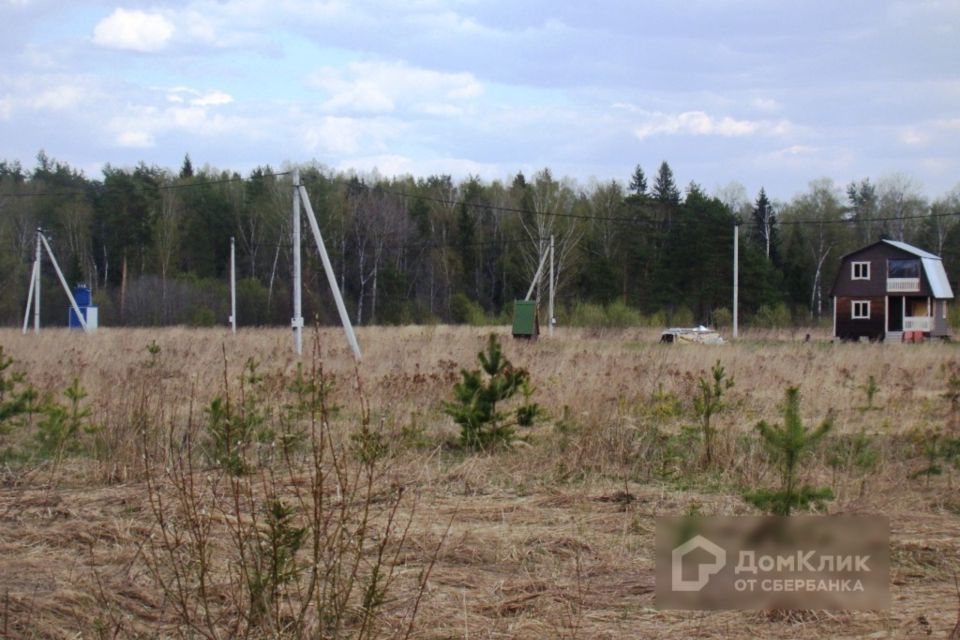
789,445
695,270
476,398
638,182
186,170
664,188
123,218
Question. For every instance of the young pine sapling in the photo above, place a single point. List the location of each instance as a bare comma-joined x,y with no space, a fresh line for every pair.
789,444
478,394
708,402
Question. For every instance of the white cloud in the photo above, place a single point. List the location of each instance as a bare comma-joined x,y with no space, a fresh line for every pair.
914,137
212,99
348,136
134,139
808,158
385,87
180,95
952,124
56,93
399,165
794,151
766,104
60,97
702,124
930,132
134,31
140,126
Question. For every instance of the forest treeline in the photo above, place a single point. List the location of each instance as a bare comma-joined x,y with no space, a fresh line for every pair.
154,244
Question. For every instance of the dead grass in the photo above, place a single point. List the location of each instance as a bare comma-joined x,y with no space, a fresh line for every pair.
551,539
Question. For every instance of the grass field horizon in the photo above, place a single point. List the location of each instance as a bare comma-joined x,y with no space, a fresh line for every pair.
550,537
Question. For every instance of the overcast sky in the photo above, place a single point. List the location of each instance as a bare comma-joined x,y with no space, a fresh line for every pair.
762,92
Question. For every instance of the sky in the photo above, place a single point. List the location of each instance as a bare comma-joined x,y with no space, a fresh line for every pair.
764,93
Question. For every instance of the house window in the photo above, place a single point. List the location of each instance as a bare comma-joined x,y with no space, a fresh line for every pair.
861,310
944,308
861,271
903,268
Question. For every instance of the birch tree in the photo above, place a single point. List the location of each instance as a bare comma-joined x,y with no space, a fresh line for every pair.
820,212
551,214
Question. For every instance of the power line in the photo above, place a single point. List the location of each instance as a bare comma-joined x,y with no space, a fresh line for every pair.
43,194
181,185
507,209
498,208
855,221
414,245
642,221
189,185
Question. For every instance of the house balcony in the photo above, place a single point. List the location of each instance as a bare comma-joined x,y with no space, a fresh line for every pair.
918,323
903,285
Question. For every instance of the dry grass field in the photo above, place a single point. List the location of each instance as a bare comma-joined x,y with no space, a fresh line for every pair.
130,527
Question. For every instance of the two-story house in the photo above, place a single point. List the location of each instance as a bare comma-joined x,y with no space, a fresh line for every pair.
888,288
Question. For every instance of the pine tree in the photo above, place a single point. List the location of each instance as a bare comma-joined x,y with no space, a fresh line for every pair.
707,403
476,398
789,445
186,170
16,397
664,188
638,182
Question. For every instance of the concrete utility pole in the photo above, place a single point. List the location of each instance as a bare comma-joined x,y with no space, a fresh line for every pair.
536,276
36,286
297,321
233,284
34,296
331,276
736,275
550,304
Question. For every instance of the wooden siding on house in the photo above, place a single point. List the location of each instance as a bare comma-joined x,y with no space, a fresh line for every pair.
877,255
850,329
908,301
940,327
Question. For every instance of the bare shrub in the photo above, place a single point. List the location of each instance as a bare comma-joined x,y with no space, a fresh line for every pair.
303,545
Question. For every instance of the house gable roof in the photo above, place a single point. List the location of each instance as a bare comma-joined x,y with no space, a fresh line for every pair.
932,266
909,248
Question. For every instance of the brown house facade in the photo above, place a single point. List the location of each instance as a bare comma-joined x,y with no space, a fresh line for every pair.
889,288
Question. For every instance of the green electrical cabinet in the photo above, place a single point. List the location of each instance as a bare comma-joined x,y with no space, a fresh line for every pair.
526,320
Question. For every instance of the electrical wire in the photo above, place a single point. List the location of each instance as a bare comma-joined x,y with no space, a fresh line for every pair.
497,208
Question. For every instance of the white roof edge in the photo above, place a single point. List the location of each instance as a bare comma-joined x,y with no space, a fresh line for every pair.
937,277
909,248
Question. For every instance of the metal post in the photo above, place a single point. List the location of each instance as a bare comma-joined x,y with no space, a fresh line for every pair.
233,285
736,275
331,277
550,304
36,288
297,321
